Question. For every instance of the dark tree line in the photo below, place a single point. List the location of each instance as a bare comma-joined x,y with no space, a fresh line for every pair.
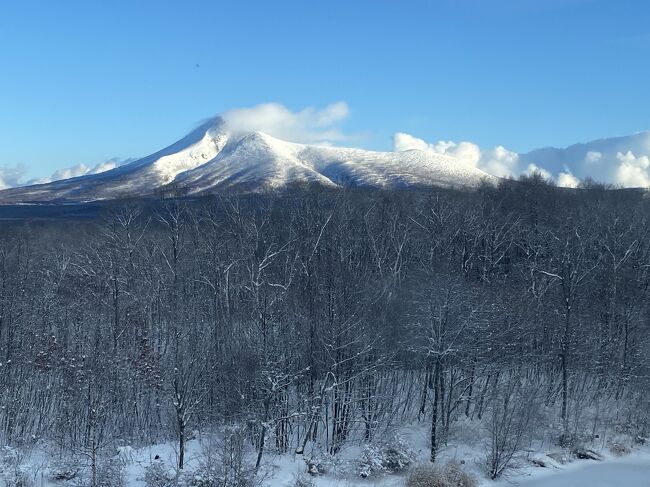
319,317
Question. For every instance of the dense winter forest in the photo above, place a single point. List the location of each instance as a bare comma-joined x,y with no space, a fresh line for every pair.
318,319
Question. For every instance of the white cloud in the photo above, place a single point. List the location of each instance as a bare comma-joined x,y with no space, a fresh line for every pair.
621,161
498,161
466,152
80,170
108,165
533,168
70,172
567,180
10,176
624,161
310,125
593,157
403,142
633,171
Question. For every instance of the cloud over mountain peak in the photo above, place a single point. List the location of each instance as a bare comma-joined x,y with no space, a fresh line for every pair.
310,125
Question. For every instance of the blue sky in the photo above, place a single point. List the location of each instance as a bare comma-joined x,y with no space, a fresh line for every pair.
85,81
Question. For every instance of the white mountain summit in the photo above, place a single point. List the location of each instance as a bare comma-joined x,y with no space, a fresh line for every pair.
214,159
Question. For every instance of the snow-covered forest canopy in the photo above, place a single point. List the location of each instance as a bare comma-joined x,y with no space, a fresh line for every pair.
315,320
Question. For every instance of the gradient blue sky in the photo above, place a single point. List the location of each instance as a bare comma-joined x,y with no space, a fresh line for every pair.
84,81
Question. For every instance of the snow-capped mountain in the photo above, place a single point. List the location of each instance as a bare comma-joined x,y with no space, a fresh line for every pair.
212,158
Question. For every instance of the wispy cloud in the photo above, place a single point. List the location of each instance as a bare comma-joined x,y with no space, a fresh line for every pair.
11,176
310,125
81,170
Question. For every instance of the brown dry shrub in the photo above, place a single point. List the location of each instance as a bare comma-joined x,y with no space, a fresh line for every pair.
451,474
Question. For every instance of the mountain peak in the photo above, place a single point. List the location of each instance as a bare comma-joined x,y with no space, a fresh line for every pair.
212,159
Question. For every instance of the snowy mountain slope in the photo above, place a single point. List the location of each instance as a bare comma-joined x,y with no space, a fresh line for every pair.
211,159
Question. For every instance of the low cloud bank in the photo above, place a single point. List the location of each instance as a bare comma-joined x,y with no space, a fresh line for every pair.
13,176
623,161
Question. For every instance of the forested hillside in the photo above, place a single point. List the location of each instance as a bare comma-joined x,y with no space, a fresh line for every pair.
320,319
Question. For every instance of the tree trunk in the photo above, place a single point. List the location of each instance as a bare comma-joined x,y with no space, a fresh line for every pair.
434,415
181,442
260,451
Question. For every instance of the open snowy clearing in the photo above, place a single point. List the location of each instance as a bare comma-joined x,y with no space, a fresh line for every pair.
627,473
632,470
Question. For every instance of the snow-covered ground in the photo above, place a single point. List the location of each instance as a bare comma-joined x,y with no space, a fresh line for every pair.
630,470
